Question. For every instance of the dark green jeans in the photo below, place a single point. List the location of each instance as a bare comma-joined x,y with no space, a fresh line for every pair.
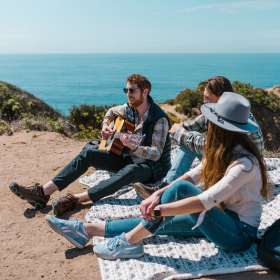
126,172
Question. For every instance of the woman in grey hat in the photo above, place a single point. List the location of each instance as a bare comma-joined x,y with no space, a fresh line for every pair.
227,210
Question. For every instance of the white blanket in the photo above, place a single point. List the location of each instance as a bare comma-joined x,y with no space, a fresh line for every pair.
174,257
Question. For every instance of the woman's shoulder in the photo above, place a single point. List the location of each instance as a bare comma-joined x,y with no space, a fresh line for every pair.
243,157
246,163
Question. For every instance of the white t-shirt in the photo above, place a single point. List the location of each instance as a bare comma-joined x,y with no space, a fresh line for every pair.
239,190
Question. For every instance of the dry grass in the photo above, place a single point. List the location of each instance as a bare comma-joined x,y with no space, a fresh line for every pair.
272,154
37,123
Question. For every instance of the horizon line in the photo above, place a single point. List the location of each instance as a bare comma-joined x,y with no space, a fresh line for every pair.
143,53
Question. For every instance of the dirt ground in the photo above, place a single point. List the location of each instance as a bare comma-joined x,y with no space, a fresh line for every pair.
171,109
30,249
275,90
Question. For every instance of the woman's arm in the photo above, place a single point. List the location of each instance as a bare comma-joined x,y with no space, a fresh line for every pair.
181,207
237,175
151,202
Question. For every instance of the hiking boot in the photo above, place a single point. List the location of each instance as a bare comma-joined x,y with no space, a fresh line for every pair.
145,191
34,194
72,230
65,202
119,248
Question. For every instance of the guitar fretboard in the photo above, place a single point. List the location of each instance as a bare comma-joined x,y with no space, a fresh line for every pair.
136,139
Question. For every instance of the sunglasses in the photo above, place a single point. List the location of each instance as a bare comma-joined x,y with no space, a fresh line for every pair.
130,90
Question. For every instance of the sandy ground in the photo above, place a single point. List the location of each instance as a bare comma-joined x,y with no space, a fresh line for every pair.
30,249
275,90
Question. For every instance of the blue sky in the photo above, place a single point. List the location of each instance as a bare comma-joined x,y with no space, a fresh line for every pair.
146,26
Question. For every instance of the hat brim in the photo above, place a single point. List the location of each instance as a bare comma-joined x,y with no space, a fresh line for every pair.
247,128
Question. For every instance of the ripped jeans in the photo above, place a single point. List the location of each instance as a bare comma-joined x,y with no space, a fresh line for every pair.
223,228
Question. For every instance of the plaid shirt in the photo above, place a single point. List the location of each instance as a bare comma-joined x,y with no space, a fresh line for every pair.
158,137
187,136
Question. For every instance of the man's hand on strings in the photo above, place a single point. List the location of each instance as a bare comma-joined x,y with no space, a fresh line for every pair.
106,131
126,142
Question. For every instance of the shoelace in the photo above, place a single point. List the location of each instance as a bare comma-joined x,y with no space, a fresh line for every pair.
74,222
34,189
114,241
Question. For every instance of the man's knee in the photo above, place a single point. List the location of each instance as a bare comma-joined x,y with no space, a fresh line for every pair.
85,158
136,173
87,153
130,169
92,157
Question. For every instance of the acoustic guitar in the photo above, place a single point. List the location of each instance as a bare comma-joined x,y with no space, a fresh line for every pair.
113,143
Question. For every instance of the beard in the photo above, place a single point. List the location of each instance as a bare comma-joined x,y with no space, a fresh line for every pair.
136,102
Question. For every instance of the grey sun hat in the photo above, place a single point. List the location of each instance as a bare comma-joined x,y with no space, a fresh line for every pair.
231,112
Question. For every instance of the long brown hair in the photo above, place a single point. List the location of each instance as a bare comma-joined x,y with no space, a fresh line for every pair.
218,155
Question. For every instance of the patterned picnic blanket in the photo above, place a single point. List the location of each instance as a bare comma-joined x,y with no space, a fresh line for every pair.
169,257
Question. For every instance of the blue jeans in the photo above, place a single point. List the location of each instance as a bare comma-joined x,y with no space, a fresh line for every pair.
181,164
221,227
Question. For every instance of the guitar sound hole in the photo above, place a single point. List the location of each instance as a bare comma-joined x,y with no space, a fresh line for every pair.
109,141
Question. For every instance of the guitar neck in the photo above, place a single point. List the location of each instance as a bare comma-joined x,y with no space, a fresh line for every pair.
118,135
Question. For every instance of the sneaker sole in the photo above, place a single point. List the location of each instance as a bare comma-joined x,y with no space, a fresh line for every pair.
37,205
141,191
75,243
120,257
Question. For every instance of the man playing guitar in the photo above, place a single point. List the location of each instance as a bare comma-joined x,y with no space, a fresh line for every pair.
149,161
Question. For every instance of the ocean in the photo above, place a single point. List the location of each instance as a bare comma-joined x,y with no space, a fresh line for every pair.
64,80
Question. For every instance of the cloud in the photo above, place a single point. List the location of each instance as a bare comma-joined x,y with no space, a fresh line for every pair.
237,7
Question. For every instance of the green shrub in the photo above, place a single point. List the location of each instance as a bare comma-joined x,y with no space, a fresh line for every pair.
30,105
9,104
4,127
87,134
14,102
170,102
87,115
188,99
258,97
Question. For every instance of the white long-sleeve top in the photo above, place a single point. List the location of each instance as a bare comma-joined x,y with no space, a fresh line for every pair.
239,190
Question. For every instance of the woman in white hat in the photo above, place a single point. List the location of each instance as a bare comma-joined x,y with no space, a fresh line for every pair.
227,210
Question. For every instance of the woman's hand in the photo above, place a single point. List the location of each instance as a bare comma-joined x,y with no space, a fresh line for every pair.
106,131
148,205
